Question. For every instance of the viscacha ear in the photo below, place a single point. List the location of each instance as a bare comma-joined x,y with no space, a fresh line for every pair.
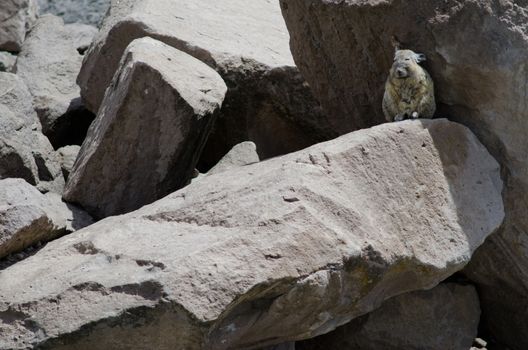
395,43
419,57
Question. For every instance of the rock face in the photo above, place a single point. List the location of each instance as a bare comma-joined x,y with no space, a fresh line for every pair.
264,254
27,216
445,317
76,11
244,153
268,102
476,55
50,75
24,151
149,133
16,18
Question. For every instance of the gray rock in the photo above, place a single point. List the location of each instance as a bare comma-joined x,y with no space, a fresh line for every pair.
476,53
76,11
28,216
50,75
150,131
16,18
68,155
267,100
7,62
244,153
24,151
445,317
277,251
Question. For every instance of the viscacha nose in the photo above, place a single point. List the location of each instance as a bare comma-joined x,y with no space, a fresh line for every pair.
401,73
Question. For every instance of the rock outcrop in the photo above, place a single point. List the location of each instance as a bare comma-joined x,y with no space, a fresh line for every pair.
24,151
16,18
244,153
445,317
476,54
49,63
76,11
150,130
277,251
246,41
28,216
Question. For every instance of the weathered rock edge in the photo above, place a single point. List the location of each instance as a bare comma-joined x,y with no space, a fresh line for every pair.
277,251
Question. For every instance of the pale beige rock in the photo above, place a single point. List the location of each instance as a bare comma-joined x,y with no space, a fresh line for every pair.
24,151
476,54
246,41
49,63
16,18
445,317
281,250
149,133
28,217
244,153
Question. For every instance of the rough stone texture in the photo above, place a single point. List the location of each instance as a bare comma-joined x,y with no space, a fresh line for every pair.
242,154
7,62
149,133
76,11
445,317
476,54
246,41
16,18
24,151
49,63
277,251
68,155
28,216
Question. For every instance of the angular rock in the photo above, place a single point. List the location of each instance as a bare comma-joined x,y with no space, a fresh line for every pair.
68,155
476,54
244,153
16,18
150,131
7,62
50,75
267,100
272,252
24,151
76,11
28,217
445,317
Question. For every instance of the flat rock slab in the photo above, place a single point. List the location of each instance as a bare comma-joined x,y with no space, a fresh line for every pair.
50,75
24,151
28,216
246,41
277,251
150,131
445,317
16,18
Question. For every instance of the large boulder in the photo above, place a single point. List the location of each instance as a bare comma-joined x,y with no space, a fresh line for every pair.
76,11
149,133
445,317
476,54
28,216
24,151
277,251
50,75
268,102
16,18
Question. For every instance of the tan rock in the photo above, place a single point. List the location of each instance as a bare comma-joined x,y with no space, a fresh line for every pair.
277,251
150,130
16,18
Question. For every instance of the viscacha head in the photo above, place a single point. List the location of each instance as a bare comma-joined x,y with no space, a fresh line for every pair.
406,64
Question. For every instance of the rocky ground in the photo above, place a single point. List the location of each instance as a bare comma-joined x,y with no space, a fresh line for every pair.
216,174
